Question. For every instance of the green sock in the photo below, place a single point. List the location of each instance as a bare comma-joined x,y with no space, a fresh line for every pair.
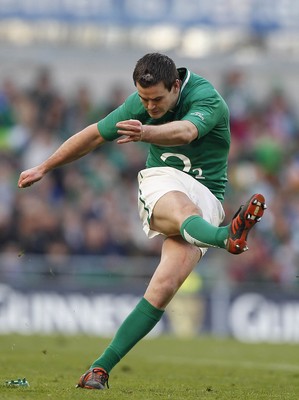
138,324
198,231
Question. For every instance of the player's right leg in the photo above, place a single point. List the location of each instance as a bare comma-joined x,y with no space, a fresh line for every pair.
173,203
232,237
175,212
243,221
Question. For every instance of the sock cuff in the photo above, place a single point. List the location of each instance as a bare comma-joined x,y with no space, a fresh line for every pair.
148,309
186,222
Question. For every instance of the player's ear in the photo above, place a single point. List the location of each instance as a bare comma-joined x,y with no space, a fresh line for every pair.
177,85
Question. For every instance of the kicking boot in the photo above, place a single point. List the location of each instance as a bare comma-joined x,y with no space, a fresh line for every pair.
245,218
95,378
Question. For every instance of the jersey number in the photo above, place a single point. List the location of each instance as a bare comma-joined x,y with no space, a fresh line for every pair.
187,164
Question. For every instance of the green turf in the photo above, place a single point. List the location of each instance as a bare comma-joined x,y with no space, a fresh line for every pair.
163,368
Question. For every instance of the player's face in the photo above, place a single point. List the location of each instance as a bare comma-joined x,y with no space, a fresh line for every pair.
157,100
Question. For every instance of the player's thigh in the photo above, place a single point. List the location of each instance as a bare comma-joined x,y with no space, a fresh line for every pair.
170,212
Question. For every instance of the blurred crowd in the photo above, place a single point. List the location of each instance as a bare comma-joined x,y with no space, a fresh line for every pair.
89,207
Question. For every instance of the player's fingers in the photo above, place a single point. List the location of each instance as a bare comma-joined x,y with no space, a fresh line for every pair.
128,133
126,140
122,141
24,183
27,179
130,125
128,129
131,122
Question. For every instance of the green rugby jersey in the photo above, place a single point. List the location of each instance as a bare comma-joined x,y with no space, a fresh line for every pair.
205,159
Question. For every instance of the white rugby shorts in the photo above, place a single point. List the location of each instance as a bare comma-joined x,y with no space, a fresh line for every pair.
157,181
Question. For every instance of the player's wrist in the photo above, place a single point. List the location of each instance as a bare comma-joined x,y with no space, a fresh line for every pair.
142,134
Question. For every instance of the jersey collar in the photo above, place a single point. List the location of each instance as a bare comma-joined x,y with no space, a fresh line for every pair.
185,80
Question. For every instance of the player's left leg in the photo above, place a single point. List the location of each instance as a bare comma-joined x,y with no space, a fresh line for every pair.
178,258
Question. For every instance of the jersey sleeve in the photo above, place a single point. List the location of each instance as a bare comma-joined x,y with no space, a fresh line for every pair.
130,109
107,125
206,113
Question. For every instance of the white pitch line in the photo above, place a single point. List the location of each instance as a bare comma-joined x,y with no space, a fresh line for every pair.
227,363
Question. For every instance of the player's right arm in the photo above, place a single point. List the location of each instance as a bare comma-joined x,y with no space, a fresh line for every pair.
72,149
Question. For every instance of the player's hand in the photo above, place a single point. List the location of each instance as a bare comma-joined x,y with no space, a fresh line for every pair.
131,129
30,176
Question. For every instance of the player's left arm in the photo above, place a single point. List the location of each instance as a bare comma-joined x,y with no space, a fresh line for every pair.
174,133
202,116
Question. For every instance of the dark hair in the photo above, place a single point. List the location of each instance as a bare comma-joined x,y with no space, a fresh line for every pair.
154,68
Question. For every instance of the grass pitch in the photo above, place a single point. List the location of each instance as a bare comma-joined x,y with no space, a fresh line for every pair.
162,368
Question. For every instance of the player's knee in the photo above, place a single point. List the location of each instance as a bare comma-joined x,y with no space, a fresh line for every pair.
188,211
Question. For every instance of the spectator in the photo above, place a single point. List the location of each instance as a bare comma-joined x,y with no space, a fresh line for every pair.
264,157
